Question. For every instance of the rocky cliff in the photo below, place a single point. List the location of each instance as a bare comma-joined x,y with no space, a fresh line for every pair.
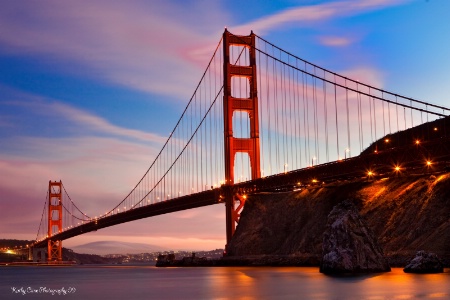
406,214
349,246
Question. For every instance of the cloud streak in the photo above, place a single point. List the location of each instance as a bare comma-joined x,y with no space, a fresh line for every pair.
304,15
335,41
41,108
143,46
98,162
131,44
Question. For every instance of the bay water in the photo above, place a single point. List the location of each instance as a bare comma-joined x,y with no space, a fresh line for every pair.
149,282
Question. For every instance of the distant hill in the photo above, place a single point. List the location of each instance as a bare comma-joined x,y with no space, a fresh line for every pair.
112,247
99,248
70,255
112,253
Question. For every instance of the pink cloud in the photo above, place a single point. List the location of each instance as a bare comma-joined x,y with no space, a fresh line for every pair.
365,74
288,110
97,173
98,167
314,13
79,119
334,41
132,44
144,46
99,124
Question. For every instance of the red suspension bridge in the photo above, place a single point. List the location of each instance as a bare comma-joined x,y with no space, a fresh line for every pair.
263,119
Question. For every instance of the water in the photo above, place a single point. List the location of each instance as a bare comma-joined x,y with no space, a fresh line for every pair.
148,282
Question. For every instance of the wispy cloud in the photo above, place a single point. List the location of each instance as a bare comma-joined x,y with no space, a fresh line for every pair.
98,162
75,120
140,45
304,15
335,41
93,191
85,149
101,125
365,74
97,175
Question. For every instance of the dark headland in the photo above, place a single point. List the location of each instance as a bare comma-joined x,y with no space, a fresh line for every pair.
407,212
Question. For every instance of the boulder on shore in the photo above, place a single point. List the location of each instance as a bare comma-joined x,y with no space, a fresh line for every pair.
349,246
424,262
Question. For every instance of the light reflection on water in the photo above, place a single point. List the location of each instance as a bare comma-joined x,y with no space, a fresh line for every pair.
145,282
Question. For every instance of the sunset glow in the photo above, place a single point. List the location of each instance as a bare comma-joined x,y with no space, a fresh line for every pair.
90,91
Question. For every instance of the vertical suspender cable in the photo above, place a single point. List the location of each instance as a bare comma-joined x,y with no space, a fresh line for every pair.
316,122
325,104
336,118
396,111
261,110
348,117
305,138
307,117
384,122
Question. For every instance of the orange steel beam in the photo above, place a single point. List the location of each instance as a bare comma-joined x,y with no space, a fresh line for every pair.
231,104
414,159
54,219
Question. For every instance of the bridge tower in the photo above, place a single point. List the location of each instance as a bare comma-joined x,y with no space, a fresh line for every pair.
54,219
231,104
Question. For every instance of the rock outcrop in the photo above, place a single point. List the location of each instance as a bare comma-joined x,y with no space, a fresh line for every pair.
406,213
349,246
424,262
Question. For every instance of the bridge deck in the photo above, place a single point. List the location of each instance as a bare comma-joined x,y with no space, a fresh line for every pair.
412,159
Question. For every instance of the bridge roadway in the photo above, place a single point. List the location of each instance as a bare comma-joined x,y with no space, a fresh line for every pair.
412,160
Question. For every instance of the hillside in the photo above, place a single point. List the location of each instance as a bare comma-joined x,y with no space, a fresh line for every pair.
405,213
428,131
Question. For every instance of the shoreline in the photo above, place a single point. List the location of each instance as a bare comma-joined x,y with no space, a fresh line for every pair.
395,261
40,264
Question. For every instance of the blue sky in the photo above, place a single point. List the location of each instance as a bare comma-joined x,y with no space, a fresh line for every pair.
90,89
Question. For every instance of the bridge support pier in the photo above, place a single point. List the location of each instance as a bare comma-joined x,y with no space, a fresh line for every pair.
233,212
232,104
39,254
54,248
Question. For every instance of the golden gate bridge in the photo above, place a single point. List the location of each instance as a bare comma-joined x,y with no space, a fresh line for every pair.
263,119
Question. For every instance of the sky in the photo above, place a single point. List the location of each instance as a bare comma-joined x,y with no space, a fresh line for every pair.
89,90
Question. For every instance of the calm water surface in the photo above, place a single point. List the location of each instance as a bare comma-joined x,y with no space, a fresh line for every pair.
148,282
